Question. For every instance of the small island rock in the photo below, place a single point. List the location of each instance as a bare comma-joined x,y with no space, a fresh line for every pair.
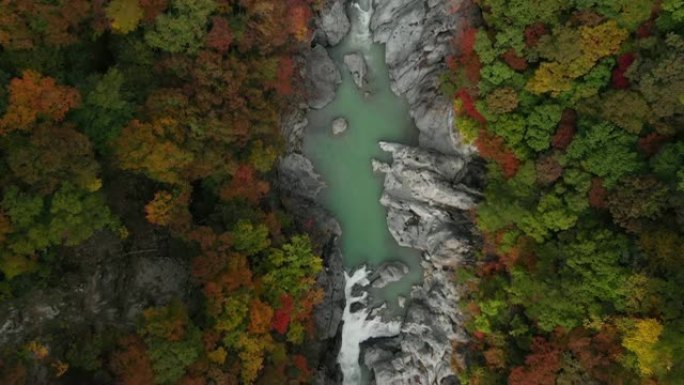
339,126
357,67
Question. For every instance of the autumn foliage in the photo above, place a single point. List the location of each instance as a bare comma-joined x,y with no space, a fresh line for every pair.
566,130
623,64
540,367
493,147
574,111
282,316
34,96
151,127
131,364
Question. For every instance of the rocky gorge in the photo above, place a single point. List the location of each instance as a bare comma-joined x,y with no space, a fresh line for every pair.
428,191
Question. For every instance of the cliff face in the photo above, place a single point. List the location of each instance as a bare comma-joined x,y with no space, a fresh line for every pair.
428,191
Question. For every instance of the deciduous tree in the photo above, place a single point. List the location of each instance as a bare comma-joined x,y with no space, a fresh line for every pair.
34,96
124,15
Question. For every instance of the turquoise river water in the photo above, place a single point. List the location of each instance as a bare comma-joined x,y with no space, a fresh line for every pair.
344,161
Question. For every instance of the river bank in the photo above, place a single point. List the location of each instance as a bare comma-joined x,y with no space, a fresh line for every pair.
428,190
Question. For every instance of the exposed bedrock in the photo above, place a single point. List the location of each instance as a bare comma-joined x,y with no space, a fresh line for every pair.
322,77
427,195
422,351
428,191
387,273
333,23
417,35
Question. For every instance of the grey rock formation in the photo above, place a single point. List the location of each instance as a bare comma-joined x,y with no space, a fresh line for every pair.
339,126
356,65
333,21
322,77
388,273
428,191
422,352
417,34
426,199
298,177
427,195
293,130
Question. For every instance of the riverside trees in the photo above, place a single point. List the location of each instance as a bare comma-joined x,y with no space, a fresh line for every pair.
186,96
577,106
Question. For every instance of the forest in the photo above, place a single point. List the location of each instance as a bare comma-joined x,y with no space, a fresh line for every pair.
122,115
578,108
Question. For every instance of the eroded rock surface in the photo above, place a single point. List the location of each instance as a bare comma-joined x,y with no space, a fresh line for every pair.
417,34
428,191
421,353
322,77
427,194
333,21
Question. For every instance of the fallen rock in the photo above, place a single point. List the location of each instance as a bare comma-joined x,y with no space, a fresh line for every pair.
339,126
322,77
356,65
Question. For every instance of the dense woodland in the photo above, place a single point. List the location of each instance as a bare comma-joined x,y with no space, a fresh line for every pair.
578,106
179,100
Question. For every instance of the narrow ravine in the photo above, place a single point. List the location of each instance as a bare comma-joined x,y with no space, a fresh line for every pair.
373,113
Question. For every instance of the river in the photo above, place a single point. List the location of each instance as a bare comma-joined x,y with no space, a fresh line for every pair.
353,190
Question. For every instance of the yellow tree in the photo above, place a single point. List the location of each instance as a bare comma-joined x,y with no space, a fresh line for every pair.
124,15
154,149
594,43
640,338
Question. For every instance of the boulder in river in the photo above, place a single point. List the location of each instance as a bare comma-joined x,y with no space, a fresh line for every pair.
322,77
357,67
339,126
388,273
